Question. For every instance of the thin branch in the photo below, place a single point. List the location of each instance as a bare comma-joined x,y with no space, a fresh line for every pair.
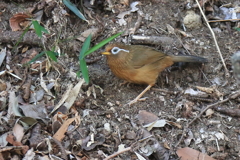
232,96
117,153
215,40
223,20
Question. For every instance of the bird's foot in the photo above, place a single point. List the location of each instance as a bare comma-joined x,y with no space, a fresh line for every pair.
132,102
136,100
124,83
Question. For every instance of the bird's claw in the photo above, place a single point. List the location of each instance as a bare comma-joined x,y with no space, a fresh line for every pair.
136,100
132,102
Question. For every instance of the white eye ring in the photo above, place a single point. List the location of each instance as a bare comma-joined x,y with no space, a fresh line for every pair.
115,50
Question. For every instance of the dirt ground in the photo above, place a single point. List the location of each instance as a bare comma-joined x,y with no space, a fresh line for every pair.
171,118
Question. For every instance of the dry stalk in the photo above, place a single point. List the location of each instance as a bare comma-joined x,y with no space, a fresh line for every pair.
117,153
215,40
232,96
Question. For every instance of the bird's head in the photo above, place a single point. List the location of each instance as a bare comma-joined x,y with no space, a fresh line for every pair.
116,50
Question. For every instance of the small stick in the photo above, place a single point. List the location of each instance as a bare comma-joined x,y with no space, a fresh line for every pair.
224,20
117,153
58,143
232,96
215,40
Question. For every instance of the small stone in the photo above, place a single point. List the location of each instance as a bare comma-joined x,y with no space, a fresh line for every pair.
192,20
130,135
107,127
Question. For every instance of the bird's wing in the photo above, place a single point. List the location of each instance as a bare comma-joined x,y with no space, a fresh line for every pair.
145,56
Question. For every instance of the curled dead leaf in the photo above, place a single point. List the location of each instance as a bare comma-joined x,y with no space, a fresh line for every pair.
92,141
146,117
189,153
19,21
93,31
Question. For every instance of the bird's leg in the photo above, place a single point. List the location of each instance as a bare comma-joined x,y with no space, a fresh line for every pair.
123,83
140,95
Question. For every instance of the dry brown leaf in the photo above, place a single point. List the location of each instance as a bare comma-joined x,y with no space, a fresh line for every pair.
211,90
60,134
60,117
208,90
18,132
29,55
12,140
124,2
25,49
3,85
192,154
86,33
19,21
64,97
165,144
34,111
73,94
146,117
209,112
175,124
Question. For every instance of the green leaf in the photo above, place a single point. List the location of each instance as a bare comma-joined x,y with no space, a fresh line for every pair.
28,120
37,56
38,28
238,29
84,70
78,74
21,37
74,9
85,47
102,43
52,55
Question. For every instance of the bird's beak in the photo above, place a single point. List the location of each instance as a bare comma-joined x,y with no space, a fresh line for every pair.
106,53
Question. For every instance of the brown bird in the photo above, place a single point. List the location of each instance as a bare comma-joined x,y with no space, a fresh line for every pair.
141,64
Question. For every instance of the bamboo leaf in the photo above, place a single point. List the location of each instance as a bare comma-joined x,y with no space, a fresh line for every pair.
84,70
36,57
52,55
74,9
85,47
102,43
38,28
238,29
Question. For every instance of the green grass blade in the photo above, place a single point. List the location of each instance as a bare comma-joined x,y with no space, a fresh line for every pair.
36,57
21,37
38,28
102,43
238,29
74,9
85,47
52,55
84,70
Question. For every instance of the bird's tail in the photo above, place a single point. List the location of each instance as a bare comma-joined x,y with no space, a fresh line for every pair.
189,59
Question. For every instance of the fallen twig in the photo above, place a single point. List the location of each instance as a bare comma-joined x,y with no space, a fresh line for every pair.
232,96
223,20
158,40
165,91
215,40
29,38
62,150
117,153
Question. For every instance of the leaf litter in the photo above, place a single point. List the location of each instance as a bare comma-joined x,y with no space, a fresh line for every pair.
47,113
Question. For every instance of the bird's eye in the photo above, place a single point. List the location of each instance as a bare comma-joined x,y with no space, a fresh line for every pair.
115,50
